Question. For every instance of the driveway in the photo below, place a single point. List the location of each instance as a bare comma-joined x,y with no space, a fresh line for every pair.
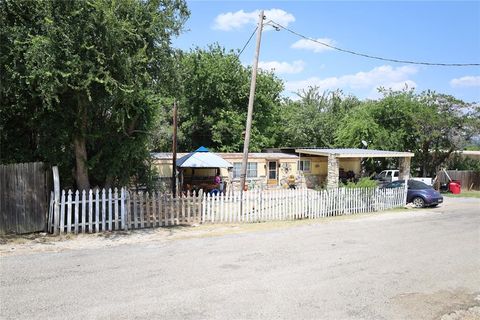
418,264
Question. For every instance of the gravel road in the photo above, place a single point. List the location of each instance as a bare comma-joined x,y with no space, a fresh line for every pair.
414,264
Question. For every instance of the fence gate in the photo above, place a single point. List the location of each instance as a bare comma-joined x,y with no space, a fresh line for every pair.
24,191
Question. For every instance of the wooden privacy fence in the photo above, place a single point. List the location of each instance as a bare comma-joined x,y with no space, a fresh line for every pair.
108,210
468,178
23,197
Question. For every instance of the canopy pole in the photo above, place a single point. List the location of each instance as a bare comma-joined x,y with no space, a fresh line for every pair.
174,150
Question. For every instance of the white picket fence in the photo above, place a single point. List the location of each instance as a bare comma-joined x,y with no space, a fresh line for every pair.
269,205
108,210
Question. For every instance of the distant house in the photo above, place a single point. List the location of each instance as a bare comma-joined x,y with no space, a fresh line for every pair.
472,154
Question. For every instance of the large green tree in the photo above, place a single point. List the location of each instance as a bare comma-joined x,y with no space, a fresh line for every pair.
429,124
213,105
312,119
81,82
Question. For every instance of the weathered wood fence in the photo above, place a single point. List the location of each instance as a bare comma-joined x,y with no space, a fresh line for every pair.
468,178
108,210
23,197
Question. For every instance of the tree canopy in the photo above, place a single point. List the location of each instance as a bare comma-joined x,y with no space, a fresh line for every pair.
429,124
313,118
88,86
213,103
84,80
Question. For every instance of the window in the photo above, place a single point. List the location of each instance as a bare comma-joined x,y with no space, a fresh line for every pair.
395,174
251,169
304,165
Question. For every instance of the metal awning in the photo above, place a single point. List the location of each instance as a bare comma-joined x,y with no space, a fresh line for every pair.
356,153
202,158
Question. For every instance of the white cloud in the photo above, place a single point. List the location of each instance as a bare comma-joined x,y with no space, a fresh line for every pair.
279,67
363,82
467,81
236,20
314,46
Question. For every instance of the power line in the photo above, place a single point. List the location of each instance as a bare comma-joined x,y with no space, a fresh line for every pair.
248,41
277,25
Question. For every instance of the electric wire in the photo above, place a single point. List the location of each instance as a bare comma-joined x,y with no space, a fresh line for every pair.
248,41
276,24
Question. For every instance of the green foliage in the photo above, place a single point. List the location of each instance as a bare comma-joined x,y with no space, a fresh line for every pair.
89,74
313,119
429,124
213,103
364,182
459,162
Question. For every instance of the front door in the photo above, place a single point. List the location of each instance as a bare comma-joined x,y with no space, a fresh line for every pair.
272,173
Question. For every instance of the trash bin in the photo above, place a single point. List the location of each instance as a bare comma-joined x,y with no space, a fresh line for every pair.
454,187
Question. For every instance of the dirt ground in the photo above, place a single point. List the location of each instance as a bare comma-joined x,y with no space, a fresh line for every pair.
43,242
400,264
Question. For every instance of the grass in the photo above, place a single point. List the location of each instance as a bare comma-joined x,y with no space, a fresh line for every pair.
464,194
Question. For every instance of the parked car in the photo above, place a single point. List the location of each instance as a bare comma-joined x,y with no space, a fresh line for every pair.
419,194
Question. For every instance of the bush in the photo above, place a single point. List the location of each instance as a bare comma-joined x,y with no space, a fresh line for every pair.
459,162
364,182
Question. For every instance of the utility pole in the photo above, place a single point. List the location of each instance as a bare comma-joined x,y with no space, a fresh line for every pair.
174,150
253,83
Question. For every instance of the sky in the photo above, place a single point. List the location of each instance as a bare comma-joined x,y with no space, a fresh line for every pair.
428,31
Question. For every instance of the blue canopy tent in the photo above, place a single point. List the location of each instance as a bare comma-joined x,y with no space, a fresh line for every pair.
201,158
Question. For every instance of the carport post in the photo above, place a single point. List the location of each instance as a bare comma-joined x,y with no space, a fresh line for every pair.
56,204
404,174
332,173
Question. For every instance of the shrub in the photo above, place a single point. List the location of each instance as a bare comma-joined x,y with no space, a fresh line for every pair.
364,182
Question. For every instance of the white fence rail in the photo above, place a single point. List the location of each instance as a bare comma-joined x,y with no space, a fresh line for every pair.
108,210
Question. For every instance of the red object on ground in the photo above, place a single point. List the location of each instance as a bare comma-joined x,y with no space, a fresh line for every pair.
454,187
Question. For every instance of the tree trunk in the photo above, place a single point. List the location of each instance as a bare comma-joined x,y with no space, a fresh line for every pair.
81,169
80,147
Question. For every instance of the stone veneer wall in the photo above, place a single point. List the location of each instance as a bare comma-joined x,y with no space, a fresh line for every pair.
333,172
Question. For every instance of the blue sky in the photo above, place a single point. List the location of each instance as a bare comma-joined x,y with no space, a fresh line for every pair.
430,31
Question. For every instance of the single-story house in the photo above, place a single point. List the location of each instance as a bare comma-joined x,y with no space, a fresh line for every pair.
263,169
310,167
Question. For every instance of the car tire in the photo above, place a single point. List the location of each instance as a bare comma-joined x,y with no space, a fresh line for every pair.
418,202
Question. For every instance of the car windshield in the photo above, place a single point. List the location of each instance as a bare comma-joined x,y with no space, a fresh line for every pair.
396,184
417,185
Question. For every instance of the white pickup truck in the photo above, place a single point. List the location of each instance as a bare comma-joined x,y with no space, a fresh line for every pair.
392,175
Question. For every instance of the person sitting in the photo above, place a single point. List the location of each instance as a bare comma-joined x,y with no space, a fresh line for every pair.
218,181
291,182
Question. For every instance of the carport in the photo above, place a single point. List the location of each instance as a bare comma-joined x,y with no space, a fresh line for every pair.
333,156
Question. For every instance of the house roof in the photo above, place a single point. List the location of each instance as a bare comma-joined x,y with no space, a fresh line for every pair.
166,155
259,155
469,152
232,155
355,153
